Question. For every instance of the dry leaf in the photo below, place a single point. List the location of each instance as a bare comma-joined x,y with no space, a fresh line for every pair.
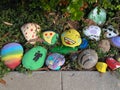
7,23
2,81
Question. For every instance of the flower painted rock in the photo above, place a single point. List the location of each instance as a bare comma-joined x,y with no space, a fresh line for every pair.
87,59
93,32
55,61
104,45
115,41
101,67
112,63
71,38
84,44
98,15
34,58
30,31
11,55
110,31
50,37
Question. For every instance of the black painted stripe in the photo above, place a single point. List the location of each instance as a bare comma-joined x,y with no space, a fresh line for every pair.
85,61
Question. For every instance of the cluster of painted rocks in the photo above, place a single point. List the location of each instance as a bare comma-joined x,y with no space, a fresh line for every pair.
35,58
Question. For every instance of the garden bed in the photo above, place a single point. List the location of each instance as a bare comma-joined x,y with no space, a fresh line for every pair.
57,16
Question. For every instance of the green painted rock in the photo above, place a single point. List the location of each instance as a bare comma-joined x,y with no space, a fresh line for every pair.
34,58
98,15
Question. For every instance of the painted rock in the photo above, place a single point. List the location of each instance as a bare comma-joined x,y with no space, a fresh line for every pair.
104,45
71,38
93,32
101,67
112,63
30,31
50,37
84,44
34,58
55,61
110,32
11,55
115,41
98,15
87,59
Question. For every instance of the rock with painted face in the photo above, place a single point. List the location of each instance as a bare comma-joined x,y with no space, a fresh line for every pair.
98,15
71,38
93,32
110,32
50,37
87,59
55,61
34,58
30,31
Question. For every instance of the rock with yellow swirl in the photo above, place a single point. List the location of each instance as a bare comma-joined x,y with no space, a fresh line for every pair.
71,38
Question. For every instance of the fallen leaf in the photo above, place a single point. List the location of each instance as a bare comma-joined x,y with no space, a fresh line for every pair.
2,81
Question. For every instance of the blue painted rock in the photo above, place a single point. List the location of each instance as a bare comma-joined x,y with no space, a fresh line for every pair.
88,58
84,44
34,58
98,15
11,55
55,61
115,41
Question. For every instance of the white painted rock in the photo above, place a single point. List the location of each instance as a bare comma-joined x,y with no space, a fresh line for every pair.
30,31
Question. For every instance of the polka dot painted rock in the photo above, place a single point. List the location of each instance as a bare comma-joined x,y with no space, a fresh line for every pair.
50,37
30,31
99,17
11,55
55,61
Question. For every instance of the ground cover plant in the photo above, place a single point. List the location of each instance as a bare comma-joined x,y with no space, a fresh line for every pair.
58,16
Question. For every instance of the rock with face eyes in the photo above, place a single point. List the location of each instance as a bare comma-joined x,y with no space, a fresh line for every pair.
93,32
71,38
110,32
50,37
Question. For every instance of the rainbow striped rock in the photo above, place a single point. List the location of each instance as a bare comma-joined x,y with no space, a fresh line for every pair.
11,55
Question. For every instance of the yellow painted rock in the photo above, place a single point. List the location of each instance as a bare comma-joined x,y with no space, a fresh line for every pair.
101,67
71,38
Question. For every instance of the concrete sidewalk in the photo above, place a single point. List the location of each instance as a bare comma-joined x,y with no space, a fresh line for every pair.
66,80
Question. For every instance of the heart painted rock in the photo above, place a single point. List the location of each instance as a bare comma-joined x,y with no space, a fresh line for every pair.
50,37
34,58
115,41
30,31
110,31
87,59
93,32
11,55
71,38
98,15
55,61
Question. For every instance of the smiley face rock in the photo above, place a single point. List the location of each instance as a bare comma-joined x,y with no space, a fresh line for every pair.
11,55
93,32
71,38
50,37
98,15
30,31
55,61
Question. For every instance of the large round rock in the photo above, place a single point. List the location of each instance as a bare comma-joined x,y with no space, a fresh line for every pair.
87,59
11,55
34,58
